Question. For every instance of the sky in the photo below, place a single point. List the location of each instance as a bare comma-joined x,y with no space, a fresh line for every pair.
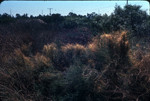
64,7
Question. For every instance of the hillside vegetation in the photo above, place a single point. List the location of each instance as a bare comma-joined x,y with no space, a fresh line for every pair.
76,58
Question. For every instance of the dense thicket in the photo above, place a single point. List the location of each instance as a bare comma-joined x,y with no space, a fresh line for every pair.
76,58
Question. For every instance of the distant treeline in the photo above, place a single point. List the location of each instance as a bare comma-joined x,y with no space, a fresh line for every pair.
130,18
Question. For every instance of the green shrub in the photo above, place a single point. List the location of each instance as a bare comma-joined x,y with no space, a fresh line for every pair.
80,84
69,24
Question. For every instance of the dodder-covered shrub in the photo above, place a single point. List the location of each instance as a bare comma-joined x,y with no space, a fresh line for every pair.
73,53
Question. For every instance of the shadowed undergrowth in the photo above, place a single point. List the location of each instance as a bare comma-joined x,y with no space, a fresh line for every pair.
104,69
